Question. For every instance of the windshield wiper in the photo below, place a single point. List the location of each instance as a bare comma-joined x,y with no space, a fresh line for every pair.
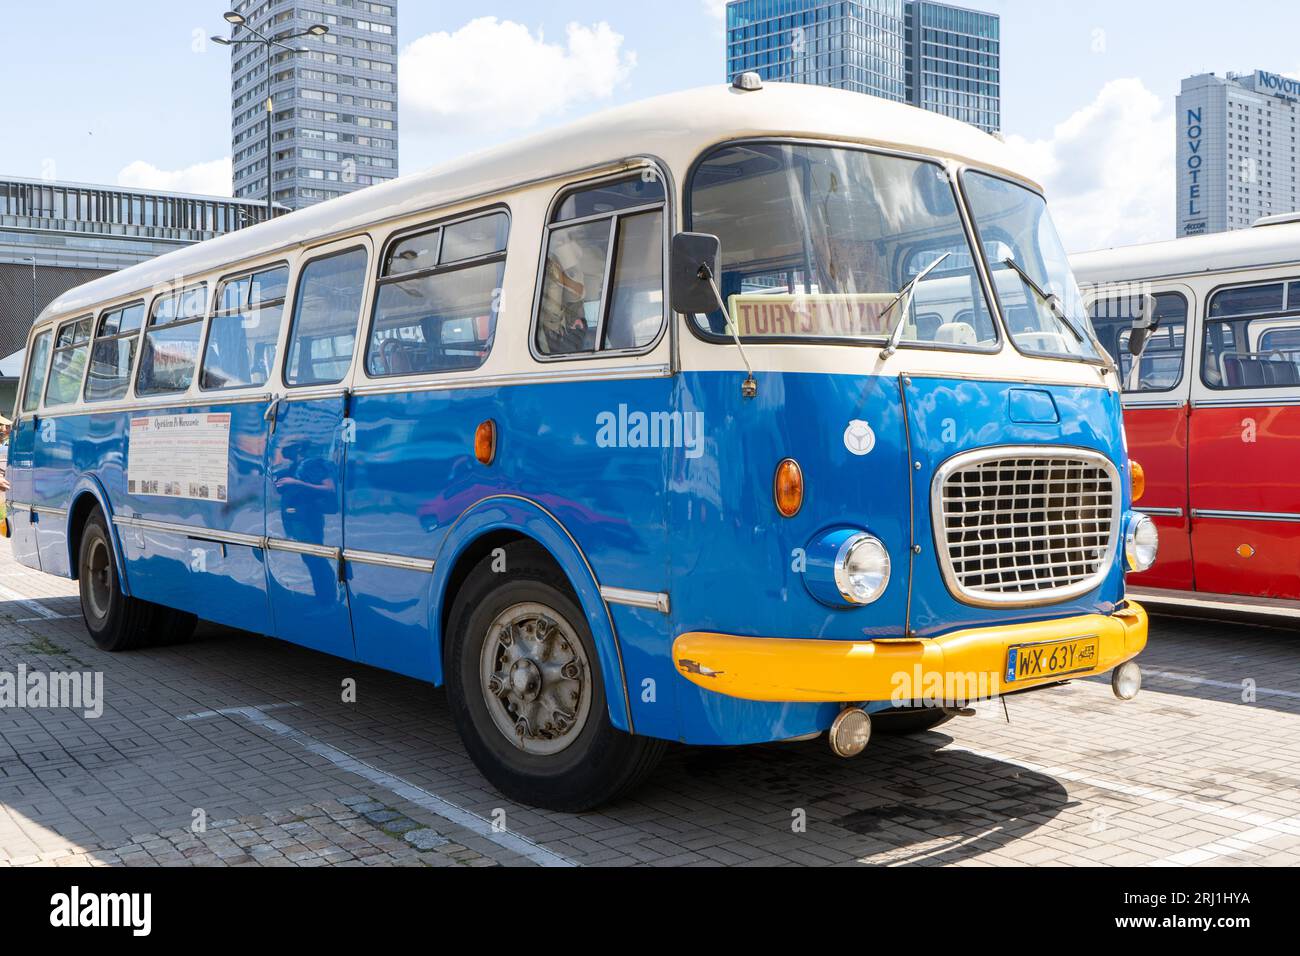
896,330
1053,302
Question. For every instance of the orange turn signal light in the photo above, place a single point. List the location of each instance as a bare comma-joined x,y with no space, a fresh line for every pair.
485,442
788,488
1138,479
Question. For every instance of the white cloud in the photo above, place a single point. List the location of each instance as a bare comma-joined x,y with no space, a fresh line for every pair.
493,75
212,178
1109,169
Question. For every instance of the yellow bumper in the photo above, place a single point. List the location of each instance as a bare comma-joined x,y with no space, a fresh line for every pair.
803,671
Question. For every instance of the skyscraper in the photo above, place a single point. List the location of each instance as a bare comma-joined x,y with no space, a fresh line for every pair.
936,56
334,125
1236,150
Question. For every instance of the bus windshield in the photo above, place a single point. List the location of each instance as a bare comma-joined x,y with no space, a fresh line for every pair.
818,242
1040,299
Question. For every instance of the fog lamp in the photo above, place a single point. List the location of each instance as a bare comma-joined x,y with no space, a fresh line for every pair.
1126,680
851,732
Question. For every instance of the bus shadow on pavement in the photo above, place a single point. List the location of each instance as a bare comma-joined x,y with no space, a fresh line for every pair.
906,799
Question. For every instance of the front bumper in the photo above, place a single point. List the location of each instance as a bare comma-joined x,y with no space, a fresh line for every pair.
812,671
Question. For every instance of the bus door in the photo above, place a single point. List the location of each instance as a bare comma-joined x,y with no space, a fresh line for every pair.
22,452
307,451
1245,441
1156,410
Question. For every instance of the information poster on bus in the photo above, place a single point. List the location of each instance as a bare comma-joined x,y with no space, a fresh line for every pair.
180,456
809,316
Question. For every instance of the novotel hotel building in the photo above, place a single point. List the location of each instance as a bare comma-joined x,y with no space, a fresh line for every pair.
1236,150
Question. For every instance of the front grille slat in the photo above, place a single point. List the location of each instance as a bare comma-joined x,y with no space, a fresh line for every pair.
1022,526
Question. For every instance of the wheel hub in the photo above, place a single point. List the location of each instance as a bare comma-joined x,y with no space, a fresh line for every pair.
536,679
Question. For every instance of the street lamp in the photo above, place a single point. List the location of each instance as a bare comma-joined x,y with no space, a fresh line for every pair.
238,20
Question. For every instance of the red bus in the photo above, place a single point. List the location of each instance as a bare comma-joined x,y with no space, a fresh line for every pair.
1212,410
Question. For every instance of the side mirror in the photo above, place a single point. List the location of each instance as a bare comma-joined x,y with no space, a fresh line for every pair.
693,268
1145,324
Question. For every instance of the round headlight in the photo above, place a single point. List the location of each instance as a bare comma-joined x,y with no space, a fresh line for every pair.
1141,543
862,569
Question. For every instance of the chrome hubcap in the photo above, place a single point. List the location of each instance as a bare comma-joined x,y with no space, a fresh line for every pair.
536,679
99,583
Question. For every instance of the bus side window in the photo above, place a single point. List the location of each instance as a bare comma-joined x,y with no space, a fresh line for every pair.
37,366
112,357
245,330
438,298
71,345
1161,368
602,284
1251,337
172,341
325,313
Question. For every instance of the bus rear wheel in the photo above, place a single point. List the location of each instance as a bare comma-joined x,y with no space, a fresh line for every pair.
115,621
524,683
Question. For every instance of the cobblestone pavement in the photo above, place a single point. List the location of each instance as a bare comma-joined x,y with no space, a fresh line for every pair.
238,750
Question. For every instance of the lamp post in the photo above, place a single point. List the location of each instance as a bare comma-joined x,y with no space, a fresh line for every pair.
238,21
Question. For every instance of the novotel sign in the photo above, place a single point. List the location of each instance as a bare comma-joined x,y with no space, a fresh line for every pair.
1275,83
1195,132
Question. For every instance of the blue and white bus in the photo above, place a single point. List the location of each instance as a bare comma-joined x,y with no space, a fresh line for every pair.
739,415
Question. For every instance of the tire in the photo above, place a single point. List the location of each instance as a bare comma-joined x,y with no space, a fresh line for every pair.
908,722
570,759
115,621
173,627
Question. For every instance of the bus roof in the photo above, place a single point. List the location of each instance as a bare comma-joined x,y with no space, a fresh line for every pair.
1267,244
677,124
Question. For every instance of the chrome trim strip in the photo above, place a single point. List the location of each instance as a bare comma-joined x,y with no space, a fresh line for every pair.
309,550
649,600
312,394
206,400
191,532
19,506
1145,406
42,510
1262,401
584,374
388,561
1246,515
1160,512
1044,597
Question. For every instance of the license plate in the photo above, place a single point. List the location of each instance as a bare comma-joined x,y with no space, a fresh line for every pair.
1053,659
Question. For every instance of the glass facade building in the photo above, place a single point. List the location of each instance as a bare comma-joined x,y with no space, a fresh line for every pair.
334,118
954,63
939,57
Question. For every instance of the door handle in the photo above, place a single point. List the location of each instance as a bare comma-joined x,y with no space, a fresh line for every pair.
272,414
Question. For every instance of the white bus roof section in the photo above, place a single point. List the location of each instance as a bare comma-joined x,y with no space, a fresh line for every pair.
1265,245
676,127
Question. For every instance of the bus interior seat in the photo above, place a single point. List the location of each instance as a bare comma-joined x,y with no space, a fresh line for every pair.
955,333
1250,370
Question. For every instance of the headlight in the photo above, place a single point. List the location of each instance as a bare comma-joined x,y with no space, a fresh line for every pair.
1141,543
862,569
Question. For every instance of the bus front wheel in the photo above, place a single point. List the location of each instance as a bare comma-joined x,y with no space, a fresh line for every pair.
115,621
525,689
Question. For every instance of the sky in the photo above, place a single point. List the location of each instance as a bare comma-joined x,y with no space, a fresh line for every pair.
133,93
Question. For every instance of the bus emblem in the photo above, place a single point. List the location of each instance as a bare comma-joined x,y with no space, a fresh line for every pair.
859,439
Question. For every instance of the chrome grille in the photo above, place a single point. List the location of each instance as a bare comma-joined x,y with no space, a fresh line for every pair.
1026,525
